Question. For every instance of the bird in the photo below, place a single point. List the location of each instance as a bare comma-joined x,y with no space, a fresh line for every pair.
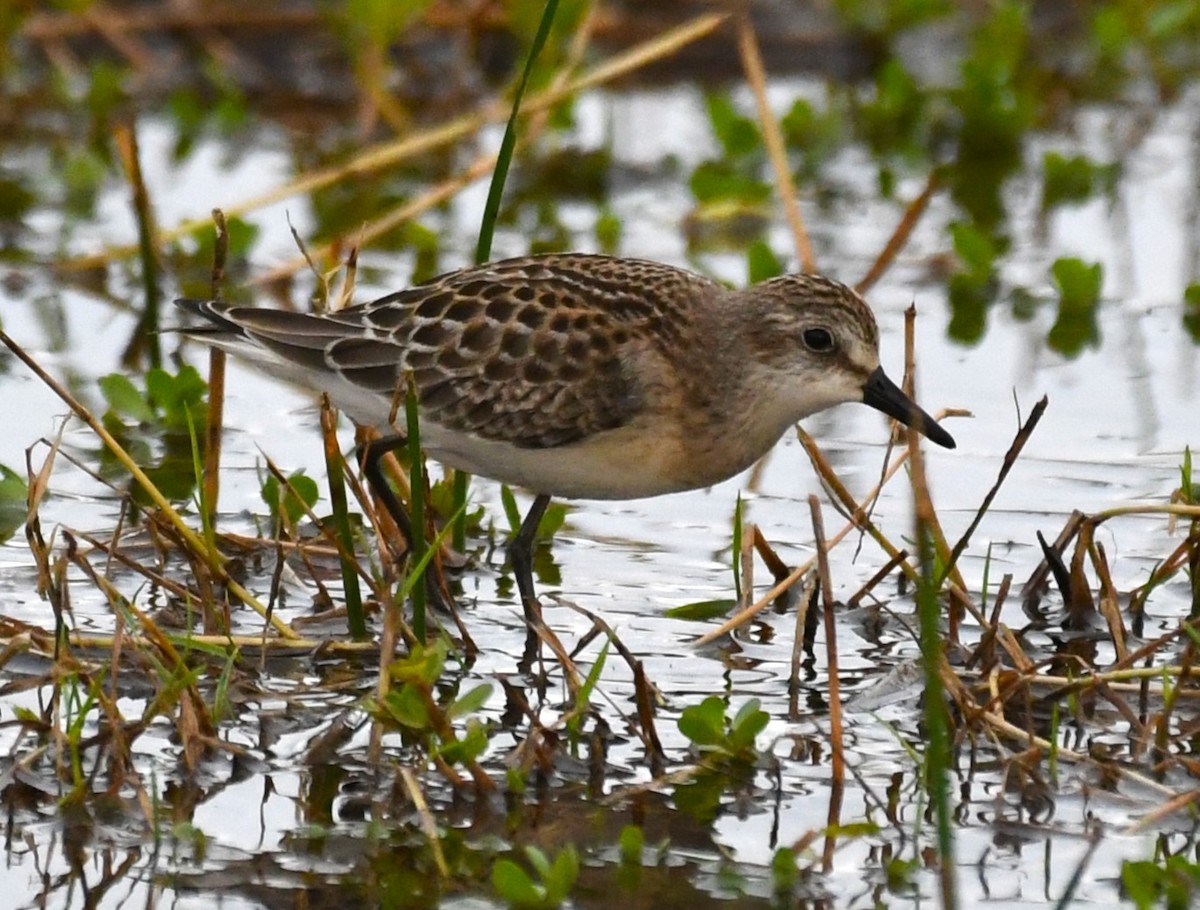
579,376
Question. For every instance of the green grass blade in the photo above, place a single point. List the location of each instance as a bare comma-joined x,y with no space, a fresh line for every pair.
483,249
487,227
737,549
937,721
417,507
335,473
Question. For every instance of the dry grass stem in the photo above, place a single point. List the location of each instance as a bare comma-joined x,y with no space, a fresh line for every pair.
389,154
756,78
912,214
194,542
858,520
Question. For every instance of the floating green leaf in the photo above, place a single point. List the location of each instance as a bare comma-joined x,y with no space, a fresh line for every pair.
631,841
738,135
423,665
1174,885
1191,311
14,501
720,181
125,399
469,747
709,729
406,706
1079,286
514,884
702,610
761,262
1074,179
519,889
704,724
749,721
471,702
290,502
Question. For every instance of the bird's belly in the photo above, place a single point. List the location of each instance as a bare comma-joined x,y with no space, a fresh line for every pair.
630,462
624,463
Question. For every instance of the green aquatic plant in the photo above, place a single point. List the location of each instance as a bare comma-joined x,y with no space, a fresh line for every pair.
158,425
631,842
1156,37
1191,311
762,263
1173,884
973,284
548,886
289,502
14,501
217,104
574,719
728,747
415,706
731,195
1189,494
815,133
715,734
549,525
1079,285
728,184
996,101
170,401
894,121
1070,179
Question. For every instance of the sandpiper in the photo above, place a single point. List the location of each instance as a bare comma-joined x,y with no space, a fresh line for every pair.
582,376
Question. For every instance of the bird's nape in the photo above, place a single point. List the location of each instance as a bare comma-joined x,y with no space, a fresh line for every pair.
884,395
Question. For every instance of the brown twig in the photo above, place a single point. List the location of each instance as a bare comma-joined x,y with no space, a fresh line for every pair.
756,77
145,333
912,214
777,567
389,154
1034,587
215,427
1010,458
836,735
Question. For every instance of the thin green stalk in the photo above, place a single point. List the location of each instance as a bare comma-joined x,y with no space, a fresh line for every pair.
737,549
206,508
987,571
341,521
1052,758
418,568
416,507
146,334
487,227
937,723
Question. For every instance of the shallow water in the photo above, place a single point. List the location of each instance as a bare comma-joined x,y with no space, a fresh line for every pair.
1119,417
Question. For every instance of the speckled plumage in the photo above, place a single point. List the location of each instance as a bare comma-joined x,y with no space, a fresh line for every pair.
584,376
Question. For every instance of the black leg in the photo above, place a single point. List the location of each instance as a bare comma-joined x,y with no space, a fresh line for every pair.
370,455
520,554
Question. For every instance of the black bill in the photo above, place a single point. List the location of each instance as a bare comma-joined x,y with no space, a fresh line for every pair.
884,395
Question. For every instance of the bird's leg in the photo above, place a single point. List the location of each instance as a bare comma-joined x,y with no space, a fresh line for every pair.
370,456
520,554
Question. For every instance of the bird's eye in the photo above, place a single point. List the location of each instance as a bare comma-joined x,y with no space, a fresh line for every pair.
819,341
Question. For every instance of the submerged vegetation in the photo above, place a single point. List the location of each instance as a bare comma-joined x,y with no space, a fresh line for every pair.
187,661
